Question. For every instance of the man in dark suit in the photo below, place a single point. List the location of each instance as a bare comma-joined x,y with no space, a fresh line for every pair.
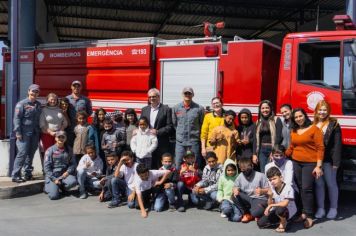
160,122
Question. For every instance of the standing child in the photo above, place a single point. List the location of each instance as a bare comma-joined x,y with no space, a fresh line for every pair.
59,167
250,191
89,170
144,143
113,140
131,125
281,206
225,185
189,176
206,189
167,192
246,131
144,182
123,181
105,182
81,135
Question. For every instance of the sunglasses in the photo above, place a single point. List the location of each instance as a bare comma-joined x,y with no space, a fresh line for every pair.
188,93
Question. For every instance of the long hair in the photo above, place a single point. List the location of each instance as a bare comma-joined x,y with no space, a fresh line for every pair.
328,109
269,103
96,121
307,121
130,111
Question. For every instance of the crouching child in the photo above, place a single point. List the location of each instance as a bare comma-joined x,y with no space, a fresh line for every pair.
225,185
281,206
89,170
206,189
144,184
167,190
59,167
105,182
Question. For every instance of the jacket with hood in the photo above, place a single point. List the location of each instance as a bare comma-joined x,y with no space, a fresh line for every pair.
210,178
226,183
245,130
143,143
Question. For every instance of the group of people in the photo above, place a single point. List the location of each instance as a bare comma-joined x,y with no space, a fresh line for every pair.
271,170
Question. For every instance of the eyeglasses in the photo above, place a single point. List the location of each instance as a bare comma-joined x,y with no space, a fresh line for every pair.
152,96
35,91
188,93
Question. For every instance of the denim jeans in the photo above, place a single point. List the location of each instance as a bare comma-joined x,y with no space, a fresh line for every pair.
147,161
118,187
181,150
162,197
263,157
329,178
85,181
131,204
208,197
231,211
182,189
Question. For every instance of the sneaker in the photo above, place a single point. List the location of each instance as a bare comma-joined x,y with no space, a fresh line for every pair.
113,204
83,196
247,218
181,209
332,213
29,177
222,215
320,213
208,206
18,180
171,208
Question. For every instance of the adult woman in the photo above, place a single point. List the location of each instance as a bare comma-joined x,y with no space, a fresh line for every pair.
332,157
211,120
66,108
130,119
307,152
52,120
268,133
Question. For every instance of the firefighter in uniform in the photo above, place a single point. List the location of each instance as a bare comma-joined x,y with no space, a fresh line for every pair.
79,103
59,167
27,130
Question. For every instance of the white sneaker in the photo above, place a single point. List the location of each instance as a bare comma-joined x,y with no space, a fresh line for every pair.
223,215
320,213
332,213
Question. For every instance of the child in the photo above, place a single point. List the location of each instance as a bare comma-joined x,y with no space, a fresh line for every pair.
105,182
113,140
59,167
225,185
144,143
206,189
280,161
249,191
122,183
131,124
89,171
168,189
223,138
189,175
144,182
81,135
246,130
281,206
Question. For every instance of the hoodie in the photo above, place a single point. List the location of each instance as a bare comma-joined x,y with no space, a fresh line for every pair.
143,143
245,131
226,183
210,178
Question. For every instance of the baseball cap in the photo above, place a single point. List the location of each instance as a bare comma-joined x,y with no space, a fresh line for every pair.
34,87
77,82
61,133
189,153
188,89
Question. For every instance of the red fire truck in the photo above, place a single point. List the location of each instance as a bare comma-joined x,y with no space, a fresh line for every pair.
116,74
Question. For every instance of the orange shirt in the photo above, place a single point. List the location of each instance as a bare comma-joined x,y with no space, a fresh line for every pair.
308,146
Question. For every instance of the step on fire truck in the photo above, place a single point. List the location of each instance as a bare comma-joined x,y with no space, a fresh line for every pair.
116,74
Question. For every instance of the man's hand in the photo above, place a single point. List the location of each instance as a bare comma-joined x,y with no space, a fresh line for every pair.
236,191
255,159
65,175
267,210
153,131
144,214
58,182
131,197
201,191
19,137
102,181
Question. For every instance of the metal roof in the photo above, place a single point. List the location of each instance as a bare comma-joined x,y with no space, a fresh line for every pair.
77,20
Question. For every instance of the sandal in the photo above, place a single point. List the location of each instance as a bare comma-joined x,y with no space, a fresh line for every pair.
300,218
308,223
280,229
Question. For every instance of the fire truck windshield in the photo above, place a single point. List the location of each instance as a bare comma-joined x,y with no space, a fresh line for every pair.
349,78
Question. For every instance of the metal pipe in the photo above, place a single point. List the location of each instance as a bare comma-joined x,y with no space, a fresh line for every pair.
15,8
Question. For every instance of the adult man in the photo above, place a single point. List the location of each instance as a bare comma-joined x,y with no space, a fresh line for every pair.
26,126
160,122
78,103
286,111
187,118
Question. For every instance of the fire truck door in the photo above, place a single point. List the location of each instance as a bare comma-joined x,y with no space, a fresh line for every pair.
200,74
349,78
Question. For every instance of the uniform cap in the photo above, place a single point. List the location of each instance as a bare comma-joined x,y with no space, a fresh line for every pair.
188,89
34,87
61,133
77,82
189,153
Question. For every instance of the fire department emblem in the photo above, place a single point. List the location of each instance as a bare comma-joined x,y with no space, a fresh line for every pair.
313,98
40,57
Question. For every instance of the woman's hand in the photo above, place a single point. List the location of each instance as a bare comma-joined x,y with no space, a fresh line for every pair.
318,172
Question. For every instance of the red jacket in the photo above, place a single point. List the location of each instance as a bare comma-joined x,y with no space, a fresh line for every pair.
190,178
